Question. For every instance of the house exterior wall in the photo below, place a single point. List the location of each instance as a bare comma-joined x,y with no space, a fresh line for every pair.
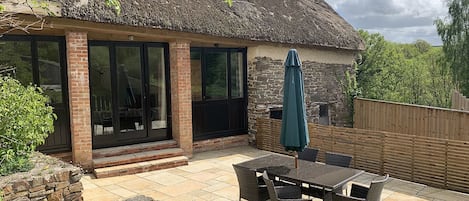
322,70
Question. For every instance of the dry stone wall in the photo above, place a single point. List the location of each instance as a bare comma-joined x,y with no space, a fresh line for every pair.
322,86
50,180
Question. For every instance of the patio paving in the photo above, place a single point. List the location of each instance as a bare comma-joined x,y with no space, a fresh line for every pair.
210,176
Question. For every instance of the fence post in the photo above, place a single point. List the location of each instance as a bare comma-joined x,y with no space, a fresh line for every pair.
354,138
454,100
446,163
383,137
412,164
462,102
332,138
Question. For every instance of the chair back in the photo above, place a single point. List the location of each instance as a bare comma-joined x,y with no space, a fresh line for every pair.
338,159
376,187
248,184
309,154
270,187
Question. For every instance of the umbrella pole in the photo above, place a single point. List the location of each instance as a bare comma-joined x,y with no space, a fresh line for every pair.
296,159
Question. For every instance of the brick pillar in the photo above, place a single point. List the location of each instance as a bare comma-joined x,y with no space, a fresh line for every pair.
79,98
181,99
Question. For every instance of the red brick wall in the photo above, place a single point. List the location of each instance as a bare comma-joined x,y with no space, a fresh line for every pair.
79,98
181,100
220,143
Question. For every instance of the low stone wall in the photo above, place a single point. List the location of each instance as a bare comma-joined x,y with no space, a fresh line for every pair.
50,180
220,143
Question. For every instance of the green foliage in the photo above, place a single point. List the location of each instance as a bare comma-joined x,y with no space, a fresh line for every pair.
115,4
25,122
454,32
351,90
411,73
229,2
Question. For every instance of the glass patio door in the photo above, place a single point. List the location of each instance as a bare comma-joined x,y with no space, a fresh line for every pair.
219,104
128,93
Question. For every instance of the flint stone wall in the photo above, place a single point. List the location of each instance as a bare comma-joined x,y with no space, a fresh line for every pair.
321,84
50,180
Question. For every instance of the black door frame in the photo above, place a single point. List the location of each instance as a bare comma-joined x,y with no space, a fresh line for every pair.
148,134
64,137
199,107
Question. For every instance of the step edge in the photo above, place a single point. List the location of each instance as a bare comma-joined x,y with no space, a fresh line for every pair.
170,151
143,164
110,151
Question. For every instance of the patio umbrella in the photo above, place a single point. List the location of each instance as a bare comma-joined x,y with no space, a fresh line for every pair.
294,135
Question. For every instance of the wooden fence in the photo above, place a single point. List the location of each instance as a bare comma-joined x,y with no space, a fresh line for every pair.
459,101
411,119
440,163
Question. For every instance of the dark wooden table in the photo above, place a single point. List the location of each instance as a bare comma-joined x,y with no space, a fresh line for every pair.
328,177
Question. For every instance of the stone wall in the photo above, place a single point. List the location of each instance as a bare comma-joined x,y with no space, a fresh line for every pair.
322,86
50,180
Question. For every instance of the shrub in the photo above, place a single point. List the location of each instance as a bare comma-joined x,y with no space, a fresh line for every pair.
25,122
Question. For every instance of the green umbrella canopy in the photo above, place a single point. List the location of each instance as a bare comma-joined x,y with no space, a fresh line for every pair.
294,135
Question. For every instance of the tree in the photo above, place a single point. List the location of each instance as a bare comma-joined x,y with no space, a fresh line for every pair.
379,68
454,32
410,73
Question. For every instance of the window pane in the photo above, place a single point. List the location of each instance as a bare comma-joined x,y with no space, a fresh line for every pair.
156,69
216,85
15,60
237,75
129,88
50,79
196,76
100,82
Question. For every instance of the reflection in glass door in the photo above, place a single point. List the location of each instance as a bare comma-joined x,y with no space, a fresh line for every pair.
129,89
129,93
101,91
51,79
41,61
157,89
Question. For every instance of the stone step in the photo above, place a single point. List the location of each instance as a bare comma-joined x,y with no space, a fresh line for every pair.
137,157
130,149
140,167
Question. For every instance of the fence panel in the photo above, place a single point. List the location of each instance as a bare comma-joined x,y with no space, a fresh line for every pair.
368,150
429,164
411,119
459,101
436,162
458,165
398,155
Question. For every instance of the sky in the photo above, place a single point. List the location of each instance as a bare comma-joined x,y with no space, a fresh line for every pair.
402,21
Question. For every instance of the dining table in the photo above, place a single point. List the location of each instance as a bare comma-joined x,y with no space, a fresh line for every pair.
328,178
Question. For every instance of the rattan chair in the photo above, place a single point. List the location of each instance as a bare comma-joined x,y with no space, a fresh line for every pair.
282,193
362,193
341,160
250,186
309,154
338,159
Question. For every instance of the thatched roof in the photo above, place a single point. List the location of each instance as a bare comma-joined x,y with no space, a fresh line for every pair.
304,22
